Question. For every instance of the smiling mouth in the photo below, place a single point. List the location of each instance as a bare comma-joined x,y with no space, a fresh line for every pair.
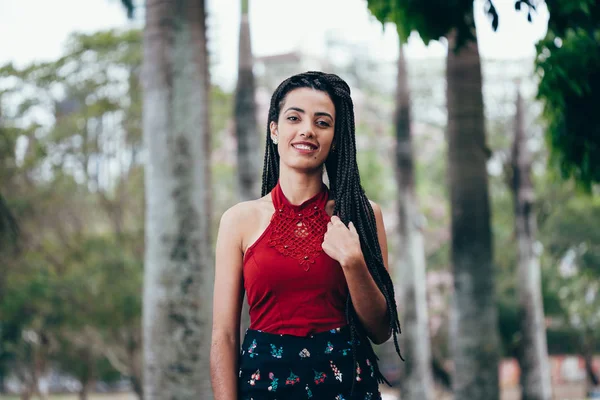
304,147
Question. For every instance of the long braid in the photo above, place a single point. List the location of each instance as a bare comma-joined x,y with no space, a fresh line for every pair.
351,202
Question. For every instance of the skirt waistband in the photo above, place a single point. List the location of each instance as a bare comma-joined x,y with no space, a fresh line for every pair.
323,343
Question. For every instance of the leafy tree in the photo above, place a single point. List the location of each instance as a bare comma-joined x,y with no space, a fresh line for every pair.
572,253
68,169
473,333
567,66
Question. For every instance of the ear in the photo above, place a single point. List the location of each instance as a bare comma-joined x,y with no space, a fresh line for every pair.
273,129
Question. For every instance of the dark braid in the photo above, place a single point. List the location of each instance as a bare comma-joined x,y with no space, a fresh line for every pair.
351,203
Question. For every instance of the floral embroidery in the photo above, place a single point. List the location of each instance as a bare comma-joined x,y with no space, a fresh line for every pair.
275,352
308,392
274,382
292,379
299,233
336,371
368,396
329,348
340,397
319,377
372,369
347,351
358,371
255,377
304,353
251,349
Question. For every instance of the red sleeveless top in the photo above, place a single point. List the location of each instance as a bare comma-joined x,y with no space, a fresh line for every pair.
293,287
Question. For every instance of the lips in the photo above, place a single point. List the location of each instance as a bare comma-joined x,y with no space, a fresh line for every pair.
305,146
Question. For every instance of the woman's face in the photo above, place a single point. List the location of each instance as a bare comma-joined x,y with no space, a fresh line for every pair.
305,128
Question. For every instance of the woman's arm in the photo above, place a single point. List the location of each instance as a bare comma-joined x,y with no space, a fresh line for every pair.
227,305
368,301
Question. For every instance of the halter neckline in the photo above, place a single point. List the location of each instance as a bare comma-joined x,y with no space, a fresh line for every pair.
318,200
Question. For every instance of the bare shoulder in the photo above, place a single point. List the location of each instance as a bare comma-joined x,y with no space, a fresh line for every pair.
378,213
381,234
246,210
376,208
242,219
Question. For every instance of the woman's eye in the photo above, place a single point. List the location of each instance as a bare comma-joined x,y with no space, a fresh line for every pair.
292,118
323,124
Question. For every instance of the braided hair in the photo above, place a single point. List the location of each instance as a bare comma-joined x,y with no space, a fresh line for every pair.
351,203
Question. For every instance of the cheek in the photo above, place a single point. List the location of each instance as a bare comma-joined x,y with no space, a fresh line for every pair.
327,143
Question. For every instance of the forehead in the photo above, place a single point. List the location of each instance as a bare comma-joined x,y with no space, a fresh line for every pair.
310,100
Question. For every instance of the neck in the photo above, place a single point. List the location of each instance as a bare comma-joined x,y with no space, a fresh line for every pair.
300,186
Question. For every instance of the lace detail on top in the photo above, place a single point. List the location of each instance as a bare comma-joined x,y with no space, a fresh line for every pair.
298,231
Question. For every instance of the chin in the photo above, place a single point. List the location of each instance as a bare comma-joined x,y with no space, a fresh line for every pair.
306,167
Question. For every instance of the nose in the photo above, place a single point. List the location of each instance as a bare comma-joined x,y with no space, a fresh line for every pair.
307,130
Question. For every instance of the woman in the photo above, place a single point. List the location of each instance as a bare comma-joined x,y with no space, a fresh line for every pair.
312,260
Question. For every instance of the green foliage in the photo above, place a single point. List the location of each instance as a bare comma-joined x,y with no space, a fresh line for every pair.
567,65
8,224
72,175
572,227
375,179
129,6
73,294
569,14
568,224
432,20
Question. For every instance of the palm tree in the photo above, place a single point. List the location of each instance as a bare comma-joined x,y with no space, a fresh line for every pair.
417,380
245,115
178,260
474,338
535,367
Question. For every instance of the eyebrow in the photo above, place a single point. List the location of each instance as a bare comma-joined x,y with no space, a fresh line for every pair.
318,114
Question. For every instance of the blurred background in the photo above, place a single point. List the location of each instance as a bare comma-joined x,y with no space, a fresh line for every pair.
478,137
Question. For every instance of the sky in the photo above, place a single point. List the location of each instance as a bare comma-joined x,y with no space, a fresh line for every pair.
36,30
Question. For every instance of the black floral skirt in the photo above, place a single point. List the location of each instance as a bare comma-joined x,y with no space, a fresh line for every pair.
318,367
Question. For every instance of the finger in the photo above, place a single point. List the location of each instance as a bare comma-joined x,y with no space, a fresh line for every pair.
352,228
335,219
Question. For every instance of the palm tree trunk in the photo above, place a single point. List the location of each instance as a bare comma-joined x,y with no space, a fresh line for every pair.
8,224
246,128
135,362
87,374
591,377
473,326
245,116
178,267
535,367
417,380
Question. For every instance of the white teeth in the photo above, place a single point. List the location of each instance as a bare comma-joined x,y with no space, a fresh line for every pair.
303,147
